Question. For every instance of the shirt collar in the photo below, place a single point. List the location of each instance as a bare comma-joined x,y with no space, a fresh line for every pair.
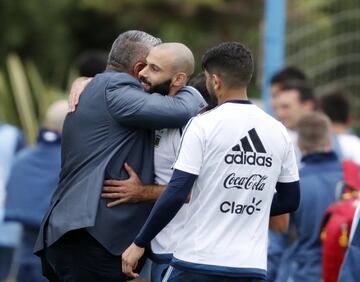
239,101
319,157
47,136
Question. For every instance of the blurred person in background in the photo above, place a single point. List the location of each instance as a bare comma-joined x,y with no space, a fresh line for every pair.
90,63
11,142
293,100
346,144
199,82
320,174
32,181
284,76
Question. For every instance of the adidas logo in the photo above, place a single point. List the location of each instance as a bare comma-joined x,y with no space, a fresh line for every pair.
247,152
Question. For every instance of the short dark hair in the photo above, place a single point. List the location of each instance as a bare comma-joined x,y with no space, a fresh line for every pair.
90,63
199,82
336,106
230,60
305,91
287,74
129,48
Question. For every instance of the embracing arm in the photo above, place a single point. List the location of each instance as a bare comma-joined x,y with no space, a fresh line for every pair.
130,190
77,88
131,106
122,191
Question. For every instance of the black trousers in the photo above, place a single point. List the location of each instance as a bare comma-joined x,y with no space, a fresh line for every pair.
78,257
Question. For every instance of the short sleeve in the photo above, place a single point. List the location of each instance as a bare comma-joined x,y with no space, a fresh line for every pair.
289,170
191,149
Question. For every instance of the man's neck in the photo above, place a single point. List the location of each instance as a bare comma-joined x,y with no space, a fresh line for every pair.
339,128
117,69
174,90
232,94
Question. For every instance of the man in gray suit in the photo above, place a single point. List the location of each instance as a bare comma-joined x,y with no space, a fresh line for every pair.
81,239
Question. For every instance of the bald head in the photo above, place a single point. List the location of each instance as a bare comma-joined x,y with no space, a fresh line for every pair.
168,68
178,55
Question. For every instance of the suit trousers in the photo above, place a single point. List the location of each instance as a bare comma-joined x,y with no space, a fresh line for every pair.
78,257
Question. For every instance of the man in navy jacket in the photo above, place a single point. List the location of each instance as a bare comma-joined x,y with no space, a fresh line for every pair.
320,174
32,181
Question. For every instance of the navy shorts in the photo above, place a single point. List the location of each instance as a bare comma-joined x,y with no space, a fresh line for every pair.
176,275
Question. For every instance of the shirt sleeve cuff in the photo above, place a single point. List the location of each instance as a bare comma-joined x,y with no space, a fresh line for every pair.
288,179
186,168
139,242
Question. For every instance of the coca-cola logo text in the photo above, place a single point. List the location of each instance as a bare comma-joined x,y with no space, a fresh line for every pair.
253,182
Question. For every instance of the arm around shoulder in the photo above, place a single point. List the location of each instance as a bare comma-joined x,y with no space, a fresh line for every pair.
130,105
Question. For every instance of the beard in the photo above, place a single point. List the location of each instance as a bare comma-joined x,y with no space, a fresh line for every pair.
162,88
211,91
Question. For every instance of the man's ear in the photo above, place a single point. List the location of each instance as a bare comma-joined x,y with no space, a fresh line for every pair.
179,79
216,81
349,120
138,68
308,106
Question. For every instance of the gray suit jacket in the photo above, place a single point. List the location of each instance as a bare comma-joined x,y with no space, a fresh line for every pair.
112,124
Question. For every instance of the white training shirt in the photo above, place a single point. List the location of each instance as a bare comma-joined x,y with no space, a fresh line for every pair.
166,147
350,147
239,154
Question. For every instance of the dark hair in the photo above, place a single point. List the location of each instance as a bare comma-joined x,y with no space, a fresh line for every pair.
90,63
199,82
306,92
129,48
230,60
336,106
287,74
